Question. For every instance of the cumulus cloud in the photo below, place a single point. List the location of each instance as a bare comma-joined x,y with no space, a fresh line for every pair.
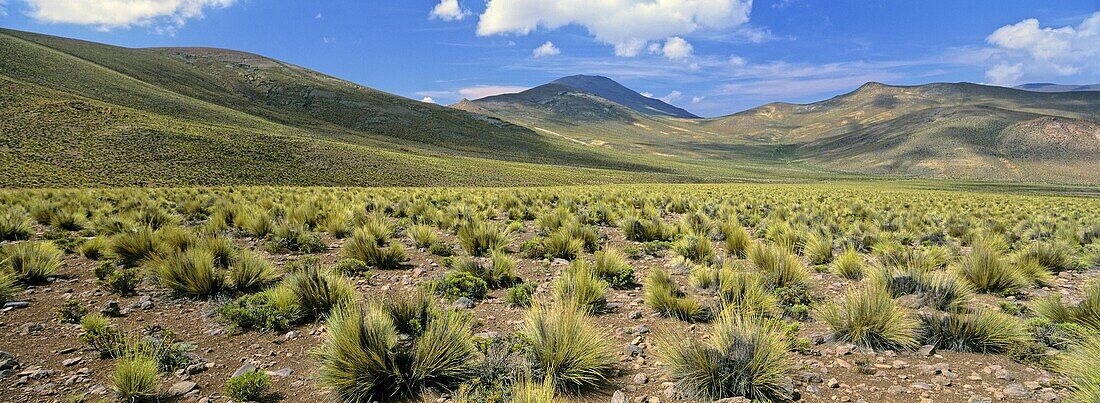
672,97
108,14
697,99
449,10
737,61
677,48
546,49
428,100
1028,50
629,25
482,91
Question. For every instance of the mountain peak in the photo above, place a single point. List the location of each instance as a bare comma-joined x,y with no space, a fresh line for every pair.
613,91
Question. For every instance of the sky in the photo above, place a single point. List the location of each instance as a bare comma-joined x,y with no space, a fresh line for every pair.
712,57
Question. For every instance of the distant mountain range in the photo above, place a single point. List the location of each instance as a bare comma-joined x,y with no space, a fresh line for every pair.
77,113
1049,87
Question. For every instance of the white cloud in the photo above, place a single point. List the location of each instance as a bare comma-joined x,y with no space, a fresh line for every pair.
3,8
737,61
1026,50
627,24
428,100
449,10
546,49
697,99
328,39
672,97
482,91
108,14
647,94
318,16
677,48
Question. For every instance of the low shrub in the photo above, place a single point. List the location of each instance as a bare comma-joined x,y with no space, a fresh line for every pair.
290,238
249,386
457,284
71,311
498,271
521,294
276,309
101,335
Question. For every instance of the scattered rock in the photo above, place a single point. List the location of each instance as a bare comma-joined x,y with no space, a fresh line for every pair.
632,350
244,369
635,314
181,388
464,303
111,309
71,361
34,327
282,373
1016,390
619,397
16,304
926,350
641,379
833,383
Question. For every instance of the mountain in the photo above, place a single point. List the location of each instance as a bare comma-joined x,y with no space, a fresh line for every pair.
78,113
608,89
1051,87
941,130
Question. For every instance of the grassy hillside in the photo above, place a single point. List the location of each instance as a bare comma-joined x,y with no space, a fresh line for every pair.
942,130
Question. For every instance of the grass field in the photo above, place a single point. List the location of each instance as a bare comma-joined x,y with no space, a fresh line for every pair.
539,293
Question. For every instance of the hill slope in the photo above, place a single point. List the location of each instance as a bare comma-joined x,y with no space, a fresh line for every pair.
608,89
1051,87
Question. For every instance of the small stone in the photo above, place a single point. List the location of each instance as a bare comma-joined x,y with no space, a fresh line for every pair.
111,308
979,399
181,388
635,314
244,369
926,350
72,361
641,329
16,304
194,369
833,383
641,379
464,303
921,386
1016,390
1003,374
619,397
632,350
844,349
282,373
34,327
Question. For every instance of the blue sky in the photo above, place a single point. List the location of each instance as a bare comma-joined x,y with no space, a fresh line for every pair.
712,57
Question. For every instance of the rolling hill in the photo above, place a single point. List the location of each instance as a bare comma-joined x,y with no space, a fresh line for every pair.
1051,87
940,130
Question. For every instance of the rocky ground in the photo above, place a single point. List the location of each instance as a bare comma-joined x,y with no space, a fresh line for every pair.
46,361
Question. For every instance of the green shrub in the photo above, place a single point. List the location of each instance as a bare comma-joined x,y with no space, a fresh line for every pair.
744,356
101,335
191,273
122,282
351,266
867,316
134,247
247,387
289,238
136,377
849,265
481,238
31,262
71,311
611,267
521,294
319,290
662,295
984,331
441,249
498,271
695,248
579,287
1081,364
93,248
276,309
373,251
567,348
104,269
457,284
15,227
251,271
363,359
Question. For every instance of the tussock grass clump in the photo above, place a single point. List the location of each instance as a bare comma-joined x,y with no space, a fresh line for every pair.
366,247
779,267
248,387
275,309
562,245
294,238
1081,364
410,312
480,238
1053,256
30,262
319,290
529,391
1086,313
581,288
498,271
136,377
662,295
8,287
867,316
93,248
567,348
945,292
983,331
849,265
15,227
133,247
744,356
737,239
191,272
988,271
363,358
101,335
611,266
744,293
251,271
645,229
695,248
818,248
422,235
